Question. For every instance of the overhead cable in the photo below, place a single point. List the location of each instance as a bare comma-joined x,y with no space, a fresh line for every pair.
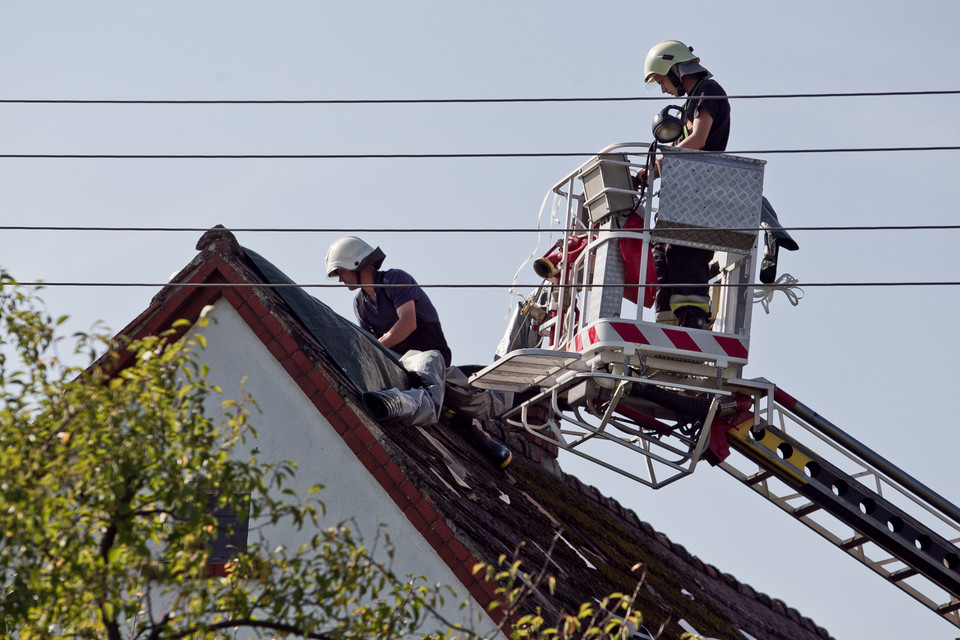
444,156
419,230
244,285
353,101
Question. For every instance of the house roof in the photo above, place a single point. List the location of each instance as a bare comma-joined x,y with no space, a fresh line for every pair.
466,509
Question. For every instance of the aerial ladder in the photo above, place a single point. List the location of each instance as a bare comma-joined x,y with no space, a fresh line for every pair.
591,372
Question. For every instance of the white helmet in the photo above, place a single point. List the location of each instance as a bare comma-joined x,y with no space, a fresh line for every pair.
661,58
350,253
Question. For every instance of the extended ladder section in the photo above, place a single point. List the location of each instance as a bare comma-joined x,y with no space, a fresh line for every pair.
854,498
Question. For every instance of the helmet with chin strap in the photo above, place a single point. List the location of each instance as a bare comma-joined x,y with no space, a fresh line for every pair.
673,59
350,253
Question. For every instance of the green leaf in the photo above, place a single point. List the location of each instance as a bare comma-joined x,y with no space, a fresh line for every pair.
114,554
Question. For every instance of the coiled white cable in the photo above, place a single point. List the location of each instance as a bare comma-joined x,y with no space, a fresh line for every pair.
785,283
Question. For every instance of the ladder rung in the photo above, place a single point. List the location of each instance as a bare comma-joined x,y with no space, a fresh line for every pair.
758,477
950,607
855,541
902,574
805,510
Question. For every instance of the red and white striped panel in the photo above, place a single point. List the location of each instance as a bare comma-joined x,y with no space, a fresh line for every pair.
662,338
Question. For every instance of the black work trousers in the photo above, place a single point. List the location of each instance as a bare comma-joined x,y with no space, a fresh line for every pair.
678,264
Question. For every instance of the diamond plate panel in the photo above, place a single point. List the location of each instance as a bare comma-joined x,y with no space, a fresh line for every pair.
609,268
702,197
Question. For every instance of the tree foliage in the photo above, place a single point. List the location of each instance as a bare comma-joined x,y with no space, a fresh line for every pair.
113,470
613,617
112,473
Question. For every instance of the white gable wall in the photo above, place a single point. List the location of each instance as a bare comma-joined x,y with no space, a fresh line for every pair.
290,428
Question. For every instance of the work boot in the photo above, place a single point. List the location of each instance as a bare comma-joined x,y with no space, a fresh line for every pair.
494,451
768,266
691,316
774,237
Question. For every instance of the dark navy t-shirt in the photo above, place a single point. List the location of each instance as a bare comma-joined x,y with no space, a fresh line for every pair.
378,316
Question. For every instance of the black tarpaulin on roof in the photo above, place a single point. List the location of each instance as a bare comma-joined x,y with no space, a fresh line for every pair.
369,365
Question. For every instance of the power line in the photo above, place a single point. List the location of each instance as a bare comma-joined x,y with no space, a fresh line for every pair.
43,284
437,156
282,156
355,101
420,230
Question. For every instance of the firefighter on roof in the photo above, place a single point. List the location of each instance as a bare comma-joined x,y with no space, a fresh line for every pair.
401,317
404,320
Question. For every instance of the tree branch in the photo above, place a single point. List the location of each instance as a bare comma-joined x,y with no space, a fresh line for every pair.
247,623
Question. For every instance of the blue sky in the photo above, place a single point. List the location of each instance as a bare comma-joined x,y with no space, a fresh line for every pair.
878,362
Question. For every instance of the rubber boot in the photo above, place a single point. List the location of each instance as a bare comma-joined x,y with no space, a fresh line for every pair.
774,237
494,451
771,253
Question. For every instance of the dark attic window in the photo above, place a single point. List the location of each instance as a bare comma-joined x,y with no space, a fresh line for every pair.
233,525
